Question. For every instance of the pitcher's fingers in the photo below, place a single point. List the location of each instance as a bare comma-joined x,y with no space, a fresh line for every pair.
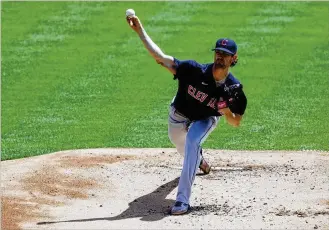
135,20
129,21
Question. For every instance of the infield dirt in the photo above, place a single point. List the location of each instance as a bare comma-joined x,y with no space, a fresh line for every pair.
134,188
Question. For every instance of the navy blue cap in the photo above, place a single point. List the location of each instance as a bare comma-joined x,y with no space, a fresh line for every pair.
226,45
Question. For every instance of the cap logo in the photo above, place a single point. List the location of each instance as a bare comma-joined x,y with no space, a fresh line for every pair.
224,42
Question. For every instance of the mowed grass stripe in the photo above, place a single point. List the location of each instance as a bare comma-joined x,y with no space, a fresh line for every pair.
17,22
50,125
280,118
259,70
24,38
306,86
48,35
38,37
41,108
294,119
52,119
107,90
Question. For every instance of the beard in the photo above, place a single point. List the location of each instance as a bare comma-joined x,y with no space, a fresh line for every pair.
220,64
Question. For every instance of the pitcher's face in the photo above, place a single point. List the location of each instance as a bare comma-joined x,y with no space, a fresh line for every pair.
222,59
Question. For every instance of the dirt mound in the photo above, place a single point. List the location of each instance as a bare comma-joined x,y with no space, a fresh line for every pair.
134,188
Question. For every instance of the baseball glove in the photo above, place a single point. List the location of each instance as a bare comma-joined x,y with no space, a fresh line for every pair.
234,98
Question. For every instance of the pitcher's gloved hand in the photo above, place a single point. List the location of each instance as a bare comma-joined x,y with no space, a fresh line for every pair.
233,92
232,99
237,101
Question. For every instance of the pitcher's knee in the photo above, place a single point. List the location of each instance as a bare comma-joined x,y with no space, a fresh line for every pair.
172,139
178,143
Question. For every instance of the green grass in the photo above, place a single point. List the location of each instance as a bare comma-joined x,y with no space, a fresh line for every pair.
74,75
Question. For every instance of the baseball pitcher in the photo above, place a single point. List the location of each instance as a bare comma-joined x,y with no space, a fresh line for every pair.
206,92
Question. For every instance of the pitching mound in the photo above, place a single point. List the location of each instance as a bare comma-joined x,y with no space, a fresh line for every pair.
134,188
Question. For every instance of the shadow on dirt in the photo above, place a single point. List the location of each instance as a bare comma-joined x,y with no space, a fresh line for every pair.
150,207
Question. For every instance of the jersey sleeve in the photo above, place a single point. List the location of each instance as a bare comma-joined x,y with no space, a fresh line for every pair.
184,68
240,105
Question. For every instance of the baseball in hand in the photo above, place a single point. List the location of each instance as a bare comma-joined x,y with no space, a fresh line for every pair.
130,12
